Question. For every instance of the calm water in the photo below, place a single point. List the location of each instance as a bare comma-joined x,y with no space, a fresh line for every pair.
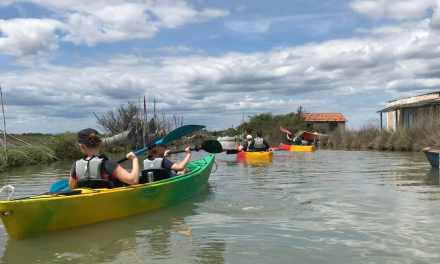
329,206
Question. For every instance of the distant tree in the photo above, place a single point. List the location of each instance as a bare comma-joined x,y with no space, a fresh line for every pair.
120,120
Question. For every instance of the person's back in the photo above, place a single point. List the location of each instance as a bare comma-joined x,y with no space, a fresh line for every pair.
297,141
259,144
95,171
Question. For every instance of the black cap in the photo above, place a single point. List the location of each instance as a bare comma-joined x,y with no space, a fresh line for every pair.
153,140
84,135
258,133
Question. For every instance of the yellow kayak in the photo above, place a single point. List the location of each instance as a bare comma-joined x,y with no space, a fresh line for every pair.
33,215
265,155
296,148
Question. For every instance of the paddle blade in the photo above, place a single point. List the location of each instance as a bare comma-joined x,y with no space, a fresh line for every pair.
232,151
212,146
179,133
59,186
173,135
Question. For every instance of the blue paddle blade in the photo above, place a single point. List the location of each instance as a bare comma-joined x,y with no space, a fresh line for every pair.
60,186
174,135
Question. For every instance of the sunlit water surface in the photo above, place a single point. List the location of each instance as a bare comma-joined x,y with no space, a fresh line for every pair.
329,206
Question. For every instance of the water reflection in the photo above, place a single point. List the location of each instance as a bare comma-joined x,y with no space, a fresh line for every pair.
415,177
155,235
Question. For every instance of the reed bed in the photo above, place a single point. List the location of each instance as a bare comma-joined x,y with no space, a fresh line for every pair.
370,136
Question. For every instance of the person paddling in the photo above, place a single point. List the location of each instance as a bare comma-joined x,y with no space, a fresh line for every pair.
245,146
295,141
158,159
96,167
259,144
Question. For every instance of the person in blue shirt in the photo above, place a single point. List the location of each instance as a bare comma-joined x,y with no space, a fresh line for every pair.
295,141
245,146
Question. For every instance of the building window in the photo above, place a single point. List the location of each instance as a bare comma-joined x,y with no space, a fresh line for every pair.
426,116
333,126
310,127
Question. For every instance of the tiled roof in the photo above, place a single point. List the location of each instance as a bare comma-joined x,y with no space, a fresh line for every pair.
325,117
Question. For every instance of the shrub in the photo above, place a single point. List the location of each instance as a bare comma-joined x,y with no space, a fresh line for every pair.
18,157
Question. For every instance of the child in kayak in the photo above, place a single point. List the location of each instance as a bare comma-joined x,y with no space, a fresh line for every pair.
96,167
158,159
245,146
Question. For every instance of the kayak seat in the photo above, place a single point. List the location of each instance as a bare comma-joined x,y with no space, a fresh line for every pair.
95,184
158,175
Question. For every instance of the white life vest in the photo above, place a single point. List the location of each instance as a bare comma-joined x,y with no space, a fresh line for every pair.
89,169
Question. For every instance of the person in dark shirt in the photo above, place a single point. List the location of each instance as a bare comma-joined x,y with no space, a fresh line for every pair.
264,146
162,152
89,143
295,140
245,146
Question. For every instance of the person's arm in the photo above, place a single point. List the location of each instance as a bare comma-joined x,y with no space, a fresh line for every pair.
251,146
73,184
288,137
266,144
182,165
132,177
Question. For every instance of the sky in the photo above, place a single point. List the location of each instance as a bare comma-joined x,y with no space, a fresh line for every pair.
212,61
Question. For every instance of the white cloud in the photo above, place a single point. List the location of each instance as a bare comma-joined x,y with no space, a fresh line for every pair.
397,9
85,22
167,49
28,36
393,61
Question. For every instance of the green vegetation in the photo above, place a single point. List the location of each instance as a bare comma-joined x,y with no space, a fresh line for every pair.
63,146
270,126
370,137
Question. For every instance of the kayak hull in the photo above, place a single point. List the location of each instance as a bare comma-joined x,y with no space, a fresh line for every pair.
296,148
37,214
263,155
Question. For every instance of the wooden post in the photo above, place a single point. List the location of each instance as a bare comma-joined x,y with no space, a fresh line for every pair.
4,126
145,123
381,121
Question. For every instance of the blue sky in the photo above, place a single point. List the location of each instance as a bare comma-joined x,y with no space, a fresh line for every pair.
212,61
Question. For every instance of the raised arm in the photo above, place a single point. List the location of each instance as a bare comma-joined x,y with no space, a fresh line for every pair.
132,177
182,165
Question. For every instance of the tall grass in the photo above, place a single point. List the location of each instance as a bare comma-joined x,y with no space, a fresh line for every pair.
370,136
63,146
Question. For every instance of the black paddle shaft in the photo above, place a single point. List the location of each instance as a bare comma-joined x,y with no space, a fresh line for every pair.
125,159
197,148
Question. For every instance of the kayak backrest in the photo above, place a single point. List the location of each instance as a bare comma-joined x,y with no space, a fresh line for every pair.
158,175
95,184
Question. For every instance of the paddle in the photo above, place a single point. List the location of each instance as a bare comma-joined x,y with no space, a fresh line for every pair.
285,130
173,135
59,186
209,145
